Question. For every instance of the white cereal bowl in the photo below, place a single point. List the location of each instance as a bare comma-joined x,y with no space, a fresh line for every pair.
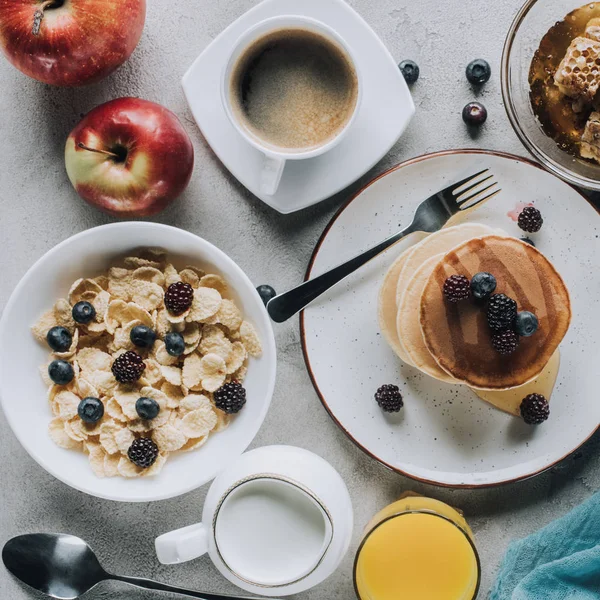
23,394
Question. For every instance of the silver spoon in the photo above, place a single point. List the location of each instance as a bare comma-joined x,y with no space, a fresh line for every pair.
65,567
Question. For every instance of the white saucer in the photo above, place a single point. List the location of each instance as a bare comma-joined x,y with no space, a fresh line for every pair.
386,109
445,434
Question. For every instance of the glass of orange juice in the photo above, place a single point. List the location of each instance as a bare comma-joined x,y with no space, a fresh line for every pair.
417,549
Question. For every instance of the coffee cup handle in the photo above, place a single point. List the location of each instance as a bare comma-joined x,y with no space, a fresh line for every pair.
182,545
271,173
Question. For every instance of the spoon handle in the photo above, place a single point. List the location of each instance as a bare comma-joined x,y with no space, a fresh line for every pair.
163,587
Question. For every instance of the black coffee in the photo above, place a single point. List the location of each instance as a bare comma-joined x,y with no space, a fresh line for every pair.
294,89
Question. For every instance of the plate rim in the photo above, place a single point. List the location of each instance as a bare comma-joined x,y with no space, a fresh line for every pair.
341,209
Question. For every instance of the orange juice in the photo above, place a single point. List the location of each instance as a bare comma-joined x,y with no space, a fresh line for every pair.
417,549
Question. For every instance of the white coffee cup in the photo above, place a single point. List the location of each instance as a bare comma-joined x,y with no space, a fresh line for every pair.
275,158
277,522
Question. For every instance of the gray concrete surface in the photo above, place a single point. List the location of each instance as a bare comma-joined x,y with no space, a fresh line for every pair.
39,209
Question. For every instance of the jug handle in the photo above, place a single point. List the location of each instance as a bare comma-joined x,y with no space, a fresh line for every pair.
182,545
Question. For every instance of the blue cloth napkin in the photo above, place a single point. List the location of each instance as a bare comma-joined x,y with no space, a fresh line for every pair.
559,562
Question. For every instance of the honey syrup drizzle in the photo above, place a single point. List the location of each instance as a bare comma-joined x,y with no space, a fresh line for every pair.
553,110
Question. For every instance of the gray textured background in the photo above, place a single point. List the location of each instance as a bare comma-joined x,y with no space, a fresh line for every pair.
39,209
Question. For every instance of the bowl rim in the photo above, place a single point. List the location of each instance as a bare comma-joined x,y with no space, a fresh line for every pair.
551,165
268,344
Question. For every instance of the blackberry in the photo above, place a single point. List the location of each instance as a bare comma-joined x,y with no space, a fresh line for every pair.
505,342
143,452
389,398
501,312
230,398
530,219
178,297
128,367
456,288
535,409
59,339
528,241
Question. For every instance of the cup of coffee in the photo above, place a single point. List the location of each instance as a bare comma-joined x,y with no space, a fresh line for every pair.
292,90
275,523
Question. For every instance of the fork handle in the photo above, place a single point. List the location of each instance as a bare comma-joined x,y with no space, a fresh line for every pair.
286,305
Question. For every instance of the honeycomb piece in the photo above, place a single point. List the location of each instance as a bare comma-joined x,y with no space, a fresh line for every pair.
579,71
590,141
592,29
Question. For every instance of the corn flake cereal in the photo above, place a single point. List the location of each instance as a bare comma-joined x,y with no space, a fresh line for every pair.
217,344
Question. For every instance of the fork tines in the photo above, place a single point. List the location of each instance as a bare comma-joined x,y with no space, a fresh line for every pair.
465,201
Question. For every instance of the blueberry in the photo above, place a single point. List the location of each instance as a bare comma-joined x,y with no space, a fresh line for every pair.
526,323
83,312
174,343
410,70
90,410
478,71
528,241
147,408
483,285
474,113
61,372
266,292
59,339
142,336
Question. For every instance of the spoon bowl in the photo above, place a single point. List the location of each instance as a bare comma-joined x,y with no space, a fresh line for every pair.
59,565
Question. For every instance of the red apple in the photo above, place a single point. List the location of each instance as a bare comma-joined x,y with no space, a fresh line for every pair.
129,157
70,42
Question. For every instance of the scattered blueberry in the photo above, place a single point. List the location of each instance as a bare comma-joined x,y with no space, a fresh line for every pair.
90,410
526,323
147,408
474,113
61,372
478,71
483,285
174,343
59,339
266,293
142,336
410,70
528,241
83,312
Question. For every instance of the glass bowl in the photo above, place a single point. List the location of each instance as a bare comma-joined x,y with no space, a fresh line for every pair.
530,25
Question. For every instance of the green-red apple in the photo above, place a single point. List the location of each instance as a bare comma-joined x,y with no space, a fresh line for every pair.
129,157
70,42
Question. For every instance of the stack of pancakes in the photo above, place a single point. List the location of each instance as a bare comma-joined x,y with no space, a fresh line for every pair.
452,341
